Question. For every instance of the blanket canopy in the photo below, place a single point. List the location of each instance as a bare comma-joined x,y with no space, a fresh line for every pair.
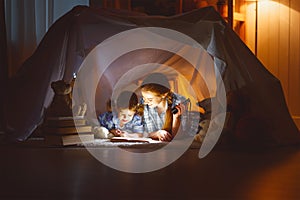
113,50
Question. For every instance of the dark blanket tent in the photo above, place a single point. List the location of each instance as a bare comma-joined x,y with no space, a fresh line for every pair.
253,93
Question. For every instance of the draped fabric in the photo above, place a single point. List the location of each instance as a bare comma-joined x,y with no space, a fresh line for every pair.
77,35
27,21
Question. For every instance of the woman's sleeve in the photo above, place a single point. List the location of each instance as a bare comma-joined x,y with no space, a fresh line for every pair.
177,99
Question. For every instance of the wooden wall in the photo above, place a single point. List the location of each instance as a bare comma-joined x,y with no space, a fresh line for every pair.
278,44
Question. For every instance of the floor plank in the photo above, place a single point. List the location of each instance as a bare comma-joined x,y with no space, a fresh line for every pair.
73,173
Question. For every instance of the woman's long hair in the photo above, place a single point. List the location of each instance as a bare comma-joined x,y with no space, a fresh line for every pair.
158,84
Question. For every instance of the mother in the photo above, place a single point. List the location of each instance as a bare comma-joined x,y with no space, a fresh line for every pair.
162,107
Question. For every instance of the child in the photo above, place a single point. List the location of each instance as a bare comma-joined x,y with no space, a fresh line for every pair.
124,121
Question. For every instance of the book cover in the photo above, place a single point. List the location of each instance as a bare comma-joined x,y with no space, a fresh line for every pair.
65,121
67,130
65,140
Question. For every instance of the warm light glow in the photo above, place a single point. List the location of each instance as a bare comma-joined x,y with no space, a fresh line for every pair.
263,5
257,11
267,7
256,0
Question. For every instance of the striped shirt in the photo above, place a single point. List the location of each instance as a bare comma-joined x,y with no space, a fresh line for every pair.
110,121
154,121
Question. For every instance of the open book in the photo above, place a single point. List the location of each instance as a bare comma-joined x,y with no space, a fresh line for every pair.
129,139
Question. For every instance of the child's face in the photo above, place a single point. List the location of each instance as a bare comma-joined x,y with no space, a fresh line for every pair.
151,99
125,115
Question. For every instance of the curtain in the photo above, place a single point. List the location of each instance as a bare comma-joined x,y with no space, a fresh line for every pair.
27,21
3,63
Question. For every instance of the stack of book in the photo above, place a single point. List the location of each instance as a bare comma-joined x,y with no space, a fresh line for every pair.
63,131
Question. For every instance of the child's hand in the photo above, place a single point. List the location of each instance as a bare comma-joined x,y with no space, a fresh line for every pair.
116,132
124,134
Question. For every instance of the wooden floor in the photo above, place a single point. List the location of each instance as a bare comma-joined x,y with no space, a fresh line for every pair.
33,172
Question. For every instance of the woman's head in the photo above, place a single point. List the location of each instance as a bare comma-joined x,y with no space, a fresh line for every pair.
155,88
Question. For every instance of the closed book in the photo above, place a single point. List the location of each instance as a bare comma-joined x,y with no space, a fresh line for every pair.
65,122
65,118
65,140
67,130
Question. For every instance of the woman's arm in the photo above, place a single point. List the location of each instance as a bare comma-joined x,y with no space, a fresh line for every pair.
177,119
175,125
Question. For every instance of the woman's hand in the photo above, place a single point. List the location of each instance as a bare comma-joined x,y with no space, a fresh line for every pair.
180,109
161,135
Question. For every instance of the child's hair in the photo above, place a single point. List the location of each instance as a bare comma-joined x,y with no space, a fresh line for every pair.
126,99
158,84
